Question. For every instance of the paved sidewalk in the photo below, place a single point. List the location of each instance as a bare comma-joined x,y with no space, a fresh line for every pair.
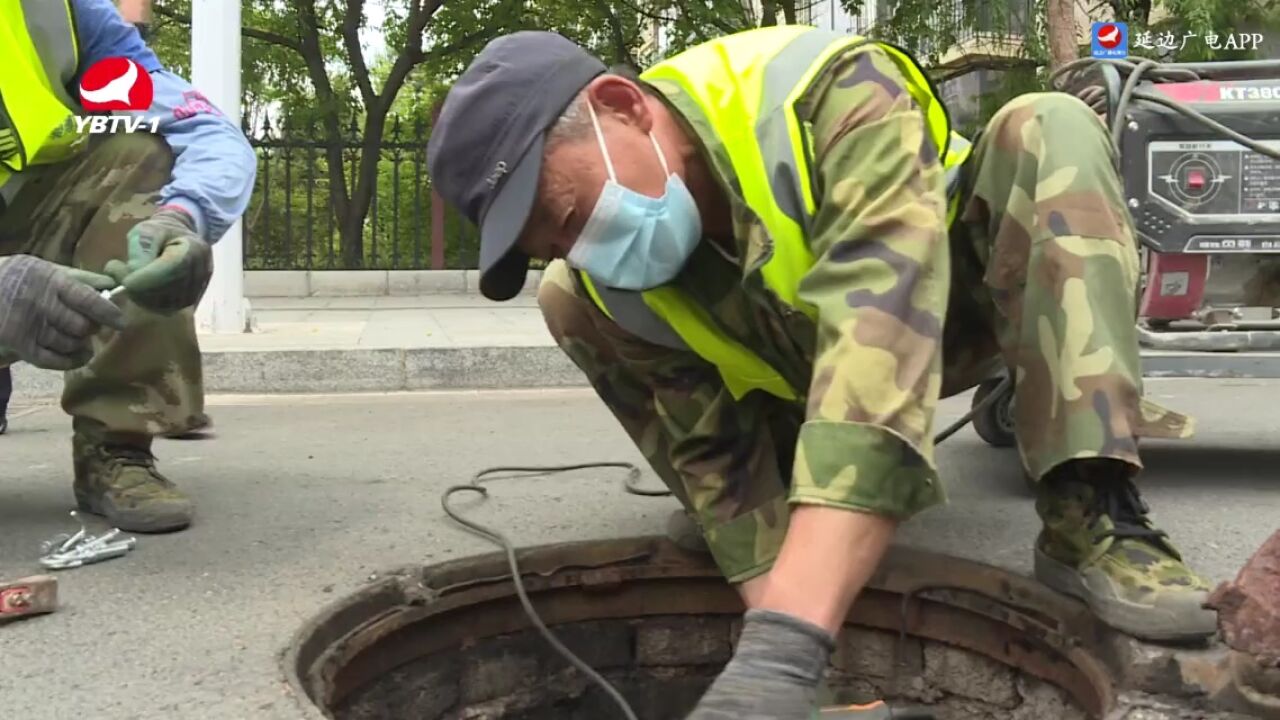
361,344
446,341
428,321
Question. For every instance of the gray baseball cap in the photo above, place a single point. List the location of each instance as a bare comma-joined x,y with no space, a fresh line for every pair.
485,152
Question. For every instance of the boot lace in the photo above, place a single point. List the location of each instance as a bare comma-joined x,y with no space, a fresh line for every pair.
1119,499
122,455
129,455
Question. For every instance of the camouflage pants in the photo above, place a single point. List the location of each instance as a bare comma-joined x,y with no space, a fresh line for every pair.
1044,277
148,378
1045,272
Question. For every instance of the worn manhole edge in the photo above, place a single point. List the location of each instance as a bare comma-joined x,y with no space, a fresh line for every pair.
411,594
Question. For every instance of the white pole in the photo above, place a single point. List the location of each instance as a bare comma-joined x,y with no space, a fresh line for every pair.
215,71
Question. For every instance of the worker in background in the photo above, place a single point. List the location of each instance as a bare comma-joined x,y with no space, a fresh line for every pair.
140,208
765,248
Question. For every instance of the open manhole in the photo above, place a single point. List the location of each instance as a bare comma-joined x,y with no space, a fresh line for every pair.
451,641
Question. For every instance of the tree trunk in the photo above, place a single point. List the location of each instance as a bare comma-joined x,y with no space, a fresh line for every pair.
789,11
621,53
768,13
351,200
1063,47
366,184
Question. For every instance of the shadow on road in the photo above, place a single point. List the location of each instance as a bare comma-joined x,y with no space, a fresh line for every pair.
1177,465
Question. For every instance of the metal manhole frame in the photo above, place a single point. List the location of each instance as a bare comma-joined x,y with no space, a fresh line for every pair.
406,614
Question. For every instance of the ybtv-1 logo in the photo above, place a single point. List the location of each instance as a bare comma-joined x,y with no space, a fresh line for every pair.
115,84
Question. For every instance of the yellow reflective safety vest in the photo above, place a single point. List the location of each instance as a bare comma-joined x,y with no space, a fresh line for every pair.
746,86
40,55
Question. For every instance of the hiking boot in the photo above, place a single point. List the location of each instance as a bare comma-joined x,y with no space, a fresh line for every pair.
683,530
116,477
1099,546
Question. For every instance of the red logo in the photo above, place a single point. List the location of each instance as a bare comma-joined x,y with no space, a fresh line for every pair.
1109,36
116,83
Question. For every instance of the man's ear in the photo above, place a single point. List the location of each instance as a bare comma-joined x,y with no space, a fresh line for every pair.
623,99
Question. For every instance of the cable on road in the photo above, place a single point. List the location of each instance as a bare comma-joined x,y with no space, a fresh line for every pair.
630,485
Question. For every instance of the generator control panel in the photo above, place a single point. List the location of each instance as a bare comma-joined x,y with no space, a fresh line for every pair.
1192,192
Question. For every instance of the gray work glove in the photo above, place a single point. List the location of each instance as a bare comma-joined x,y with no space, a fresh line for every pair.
169,266
773,675
48,312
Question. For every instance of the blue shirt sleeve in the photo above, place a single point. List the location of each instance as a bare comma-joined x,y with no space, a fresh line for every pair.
214,165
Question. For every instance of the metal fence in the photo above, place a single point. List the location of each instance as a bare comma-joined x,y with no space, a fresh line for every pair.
992,23
292,222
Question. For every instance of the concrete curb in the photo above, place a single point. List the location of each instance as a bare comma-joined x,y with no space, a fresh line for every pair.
368,283
336,371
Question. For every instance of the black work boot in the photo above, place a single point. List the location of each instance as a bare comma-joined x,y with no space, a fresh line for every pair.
116,477
1099,545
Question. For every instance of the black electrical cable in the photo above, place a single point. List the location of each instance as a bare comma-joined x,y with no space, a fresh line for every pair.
1095,96
1005,386
630,485
502,541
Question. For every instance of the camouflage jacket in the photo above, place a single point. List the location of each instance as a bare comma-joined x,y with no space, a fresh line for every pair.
869,368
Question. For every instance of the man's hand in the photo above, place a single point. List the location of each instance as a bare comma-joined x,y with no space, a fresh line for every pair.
169,266
774,674
48,312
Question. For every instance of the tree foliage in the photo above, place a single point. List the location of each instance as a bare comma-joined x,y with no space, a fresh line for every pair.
339,76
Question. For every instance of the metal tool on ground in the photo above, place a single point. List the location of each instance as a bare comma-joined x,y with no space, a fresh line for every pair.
72,551
24,597
878,710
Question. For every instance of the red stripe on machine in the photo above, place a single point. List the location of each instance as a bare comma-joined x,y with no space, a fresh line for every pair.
1191,92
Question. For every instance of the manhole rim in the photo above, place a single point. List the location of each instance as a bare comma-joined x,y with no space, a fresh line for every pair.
408,596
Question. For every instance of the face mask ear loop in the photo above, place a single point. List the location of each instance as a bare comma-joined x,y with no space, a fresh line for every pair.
662,158
608,163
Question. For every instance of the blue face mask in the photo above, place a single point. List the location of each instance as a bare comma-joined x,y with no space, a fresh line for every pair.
632,241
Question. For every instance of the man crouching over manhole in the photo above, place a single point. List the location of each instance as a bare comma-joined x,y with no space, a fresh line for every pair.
753,269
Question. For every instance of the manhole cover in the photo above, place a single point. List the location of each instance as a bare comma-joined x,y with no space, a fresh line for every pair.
452,642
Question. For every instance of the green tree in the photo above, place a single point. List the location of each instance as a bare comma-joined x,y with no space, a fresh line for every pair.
1047,34
319,40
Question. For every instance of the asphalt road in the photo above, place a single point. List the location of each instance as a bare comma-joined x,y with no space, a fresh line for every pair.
302,499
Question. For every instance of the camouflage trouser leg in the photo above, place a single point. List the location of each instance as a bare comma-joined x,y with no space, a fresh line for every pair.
1044,210
592,342
148,378
742,511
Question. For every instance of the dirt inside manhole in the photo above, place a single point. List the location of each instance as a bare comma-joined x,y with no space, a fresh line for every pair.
451,641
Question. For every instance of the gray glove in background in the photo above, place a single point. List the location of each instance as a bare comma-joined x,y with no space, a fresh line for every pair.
49,312
774,673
